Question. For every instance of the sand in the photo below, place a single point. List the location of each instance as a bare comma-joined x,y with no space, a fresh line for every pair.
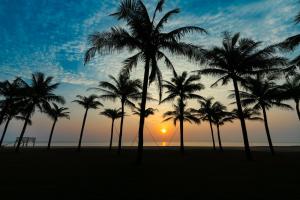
95,173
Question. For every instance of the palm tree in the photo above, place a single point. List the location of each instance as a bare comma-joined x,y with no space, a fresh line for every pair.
55,113
248,114
291,90
291,43
113,114
12,112
148,111
236,58
38,94
10,91
206,111
89,102
146,36
123,89
219,117
180,113
262,94
182,87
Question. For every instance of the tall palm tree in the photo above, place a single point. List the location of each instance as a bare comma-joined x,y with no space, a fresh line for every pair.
290,44
123,89
113,114
148,111
262,94
206,111
236,58
55,113
10,92
181,114
146,36
12,112
38,94
87,103
219,117
182,87
291,90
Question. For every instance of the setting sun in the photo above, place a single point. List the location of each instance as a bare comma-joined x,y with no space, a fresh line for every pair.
163,130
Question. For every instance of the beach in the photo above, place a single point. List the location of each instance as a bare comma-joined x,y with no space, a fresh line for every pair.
95,173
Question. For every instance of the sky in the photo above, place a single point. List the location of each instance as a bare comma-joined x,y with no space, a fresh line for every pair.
50,36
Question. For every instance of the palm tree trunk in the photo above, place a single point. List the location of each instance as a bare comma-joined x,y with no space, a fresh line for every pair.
267,130
121,128
82,128
4,131
142,116
297,108
51,133
2,113
219,138
181,136
111,134
212,135
23,130
242,120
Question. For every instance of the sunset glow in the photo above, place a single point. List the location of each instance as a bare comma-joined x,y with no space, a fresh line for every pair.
163,130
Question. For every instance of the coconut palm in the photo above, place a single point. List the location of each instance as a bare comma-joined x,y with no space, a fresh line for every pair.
55,112
219,117
182,87
87,102
37,95
113,114
206,111
144,35
148,111
262,94
10,92
181,114
291,90
14,111
123,89
236,58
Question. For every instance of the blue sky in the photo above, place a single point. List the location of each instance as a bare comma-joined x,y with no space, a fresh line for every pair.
51,36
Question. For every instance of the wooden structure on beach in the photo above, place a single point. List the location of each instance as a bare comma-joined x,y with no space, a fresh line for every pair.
25,141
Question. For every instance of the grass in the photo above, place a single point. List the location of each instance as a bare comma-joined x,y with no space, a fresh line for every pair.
165,174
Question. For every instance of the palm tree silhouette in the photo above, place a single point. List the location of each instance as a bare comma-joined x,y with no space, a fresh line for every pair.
181,113
113,114
124,89
148,111
38,94
219,117
291,90
262,94
89,102
236,58
10,91
206,111
248,114
182,87
14,111
147,37
55,113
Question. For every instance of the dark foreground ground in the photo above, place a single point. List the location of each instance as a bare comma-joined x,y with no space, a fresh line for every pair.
165,174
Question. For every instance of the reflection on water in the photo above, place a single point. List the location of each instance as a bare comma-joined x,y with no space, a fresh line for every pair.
163,144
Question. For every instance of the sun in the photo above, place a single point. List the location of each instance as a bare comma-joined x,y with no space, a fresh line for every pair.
163,130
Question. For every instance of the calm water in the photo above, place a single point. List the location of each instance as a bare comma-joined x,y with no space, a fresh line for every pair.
200,144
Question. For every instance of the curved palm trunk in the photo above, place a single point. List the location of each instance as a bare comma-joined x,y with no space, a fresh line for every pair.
121,130
212,135
297,108
111,134
2,113
242,120
23,130
219,138
51,133
4,131
82,128
268,131
142,118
